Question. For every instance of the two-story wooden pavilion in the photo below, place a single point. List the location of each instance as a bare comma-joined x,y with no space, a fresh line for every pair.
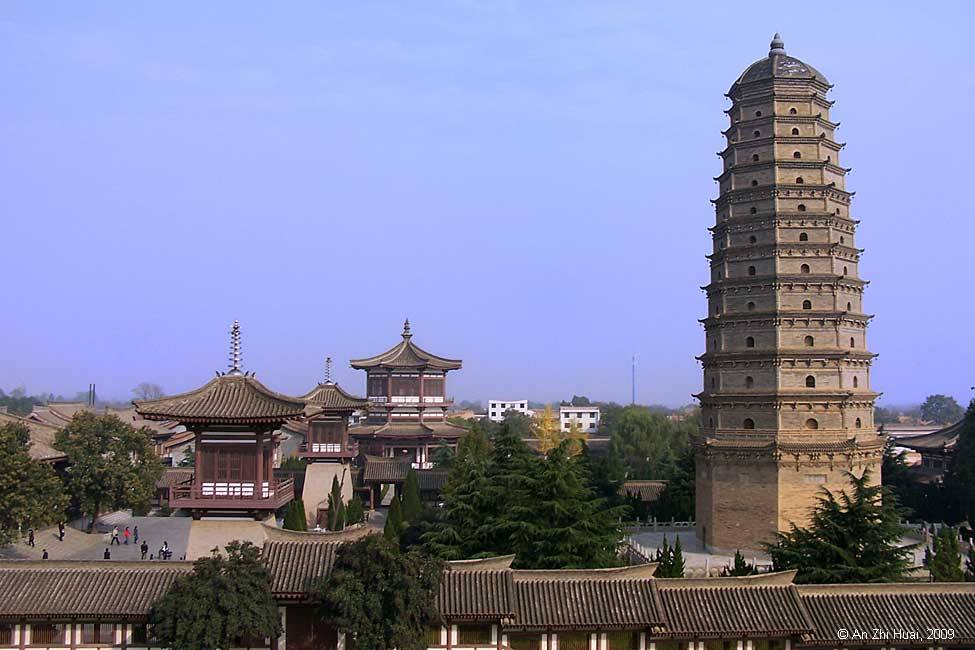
233,418
407,394
325,425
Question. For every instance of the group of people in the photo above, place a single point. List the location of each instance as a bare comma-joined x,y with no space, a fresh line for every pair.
164,552
31,543
127,534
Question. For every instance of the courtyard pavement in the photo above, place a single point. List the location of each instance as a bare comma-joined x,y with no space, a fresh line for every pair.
78,545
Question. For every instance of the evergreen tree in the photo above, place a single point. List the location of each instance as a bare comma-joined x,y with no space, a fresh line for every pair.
677,500
411,496
294,516
970,564
110,464
960,478
563,523
664,559
677,559
381,597
457,534
223,603
739,567
354,512
31,495
941,409
394,522
943,560
336,506
851,538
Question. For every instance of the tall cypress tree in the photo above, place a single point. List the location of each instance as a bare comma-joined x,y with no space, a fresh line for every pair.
394,522
943,560
411,496
960,477
336,506
851,538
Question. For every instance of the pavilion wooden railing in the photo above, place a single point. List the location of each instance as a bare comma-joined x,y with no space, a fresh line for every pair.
274,492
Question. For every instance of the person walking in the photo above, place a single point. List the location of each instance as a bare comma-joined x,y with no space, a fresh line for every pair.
44,554
135,535
30,537
60,531
115,537
107,555
164,552
144,548
126,534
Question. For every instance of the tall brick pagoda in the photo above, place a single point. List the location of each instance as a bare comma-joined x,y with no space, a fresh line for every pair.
787,407
407,393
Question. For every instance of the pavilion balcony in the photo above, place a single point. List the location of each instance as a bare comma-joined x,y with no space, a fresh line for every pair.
221,495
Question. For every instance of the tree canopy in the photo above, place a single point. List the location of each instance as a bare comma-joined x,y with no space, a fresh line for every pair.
110,464
942,409
959,483
505,499
31,495
852,537
225,602
943,559
382,597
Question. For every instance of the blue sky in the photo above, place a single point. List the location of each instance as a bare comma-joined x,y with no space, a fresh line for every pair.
529,182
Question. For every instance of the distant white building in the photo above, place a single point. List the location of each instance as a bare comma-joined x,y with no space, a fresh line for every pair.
498,407
587,417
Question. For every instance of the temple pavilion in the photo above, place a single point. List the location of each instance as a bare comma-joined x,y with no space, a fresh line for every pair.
408,403
325,425
233,418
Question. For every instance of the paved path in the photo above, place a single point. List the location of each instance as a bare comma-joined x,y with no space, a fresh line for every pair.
78,545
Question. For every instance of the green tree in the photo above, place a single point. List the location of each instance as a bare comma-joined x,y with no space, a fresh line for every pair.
739,567
650,443
294,516
959,482
354,512
394,521
562,523
18,403
851,538
457,533
670,560
336,507
31,495
678,499
189,457
941,409
225,601
443,457
110,464
411,496
382,598
943,560
970,564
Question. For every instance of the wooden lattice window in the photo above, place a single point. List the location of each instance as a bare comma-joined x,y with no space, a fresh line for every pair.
474,634
573,641
47,634
525,641
623,640
97,634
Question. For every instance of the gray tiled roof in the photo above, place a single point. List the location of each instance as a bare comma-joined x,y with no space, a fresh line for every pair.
227,399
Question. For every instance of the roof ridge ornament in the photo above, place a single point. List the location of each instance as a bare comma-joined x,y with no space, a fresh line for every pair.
235,354
406,329
777,46
328,371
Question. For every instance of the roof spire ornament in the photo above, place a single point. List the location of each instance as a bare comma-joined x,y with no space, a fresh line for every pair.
235,355
406,329
777,46
328,370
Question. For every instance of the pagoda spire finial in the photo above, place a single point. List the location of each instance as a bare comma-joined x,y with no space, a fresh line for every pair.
235,355
406,329
328,370
777,46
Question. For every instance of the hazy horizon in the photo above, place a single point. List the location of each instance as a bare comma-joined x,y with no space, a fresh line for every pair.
529,183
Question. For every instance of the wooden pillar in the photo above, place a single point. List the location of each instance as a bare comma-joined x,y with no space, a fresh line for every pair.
259,489
197,457
389,396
